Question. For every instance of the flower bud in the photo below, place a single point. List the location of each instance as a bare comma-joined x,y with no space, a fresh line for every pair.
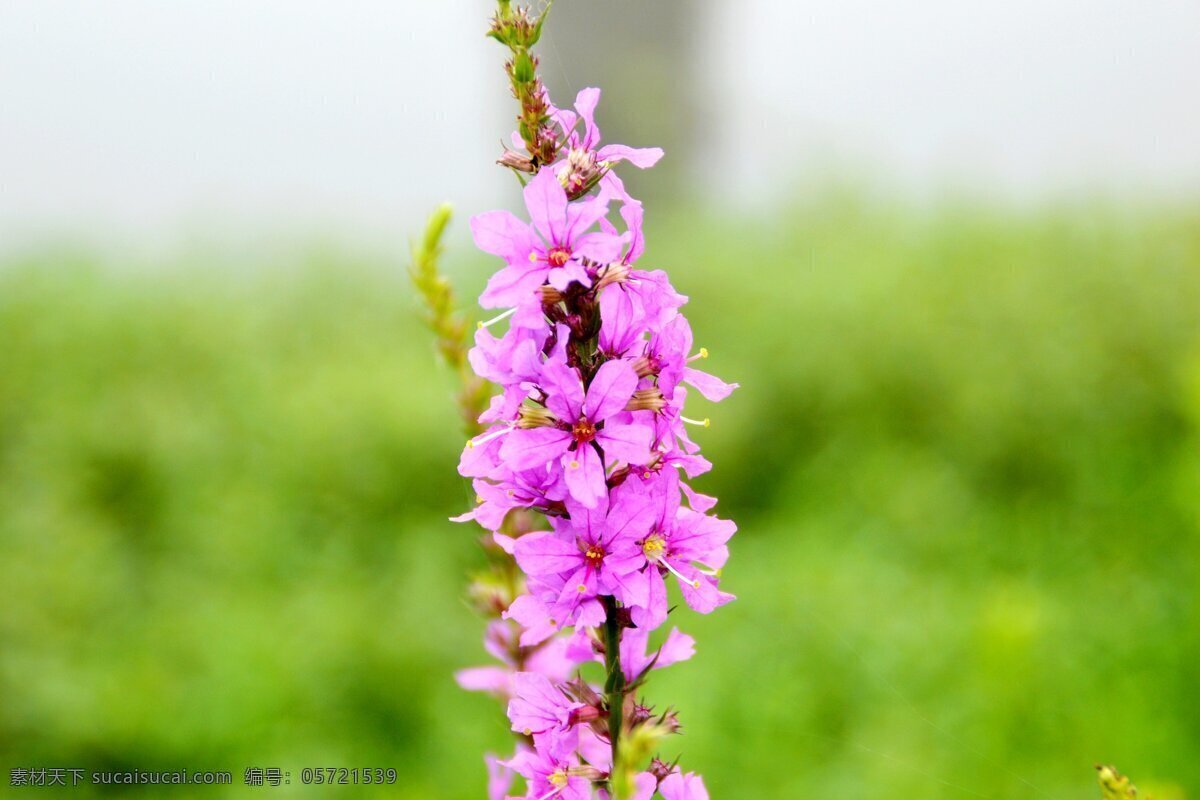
522,68
660,769
518,161
1114,785
613,273
535,417
646,400
589,772
582,716
489,593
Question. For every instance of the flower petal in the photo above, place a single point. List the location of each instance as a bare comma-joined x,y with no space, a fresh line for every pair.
640,157
644,786
700,591
678,647
623,441
610,390
603,248
544,553
502,234
485,679
512,286
585,475
526,449
564,390
711,387
547,203
585,103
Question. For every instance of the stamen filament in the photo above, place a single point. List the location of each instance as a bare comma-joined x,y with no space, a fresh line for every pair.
702,354
497,318
704,423
695,584
471,443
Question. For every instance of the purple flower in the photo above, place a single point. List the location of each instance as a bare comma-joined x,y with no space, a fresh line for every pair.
657,302
552,249
670,425
500,776
635,661
594,553
579,427
644,785
686,544
678,786
585,160
593,369
528,611
541,710
501,641
551,776
667,356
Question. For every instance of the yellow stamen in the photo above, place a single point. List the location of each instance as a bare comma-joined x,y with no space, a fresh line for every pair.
654,546
701,422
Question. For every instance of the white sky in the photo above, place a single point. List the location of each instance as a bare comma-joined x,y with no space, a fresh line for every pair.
142,118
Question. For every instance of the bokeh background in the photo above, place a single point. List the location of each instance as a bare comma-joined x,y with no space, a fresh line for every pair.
951,252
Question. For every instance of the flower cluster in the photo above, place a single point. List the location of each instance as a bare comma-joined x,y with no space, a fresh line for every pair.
587,434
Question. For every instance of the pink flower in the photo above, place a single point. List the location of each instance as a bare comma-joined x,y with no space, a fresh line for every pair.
635,661
668,356
540,710
594,553
500,777
552,249
686,544
502,642
551,776
584,159
644,785
678,786
583,430
593,369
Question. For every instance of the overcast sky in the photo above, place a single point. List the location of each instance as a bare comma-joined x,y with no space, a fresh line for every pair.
139,119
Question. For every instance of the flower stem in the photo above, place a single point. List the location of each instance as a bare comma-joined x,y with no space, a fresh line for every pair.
614,688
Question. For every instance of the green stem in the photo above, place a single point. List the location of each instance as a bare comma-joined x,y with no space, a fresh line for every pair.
614,687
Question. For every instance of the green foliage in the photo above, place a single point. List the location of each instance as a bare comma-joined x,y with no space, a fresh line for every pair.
964,463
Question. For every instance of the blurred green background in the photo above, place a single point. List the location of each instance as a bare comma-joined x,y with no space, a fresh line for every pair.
963,460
